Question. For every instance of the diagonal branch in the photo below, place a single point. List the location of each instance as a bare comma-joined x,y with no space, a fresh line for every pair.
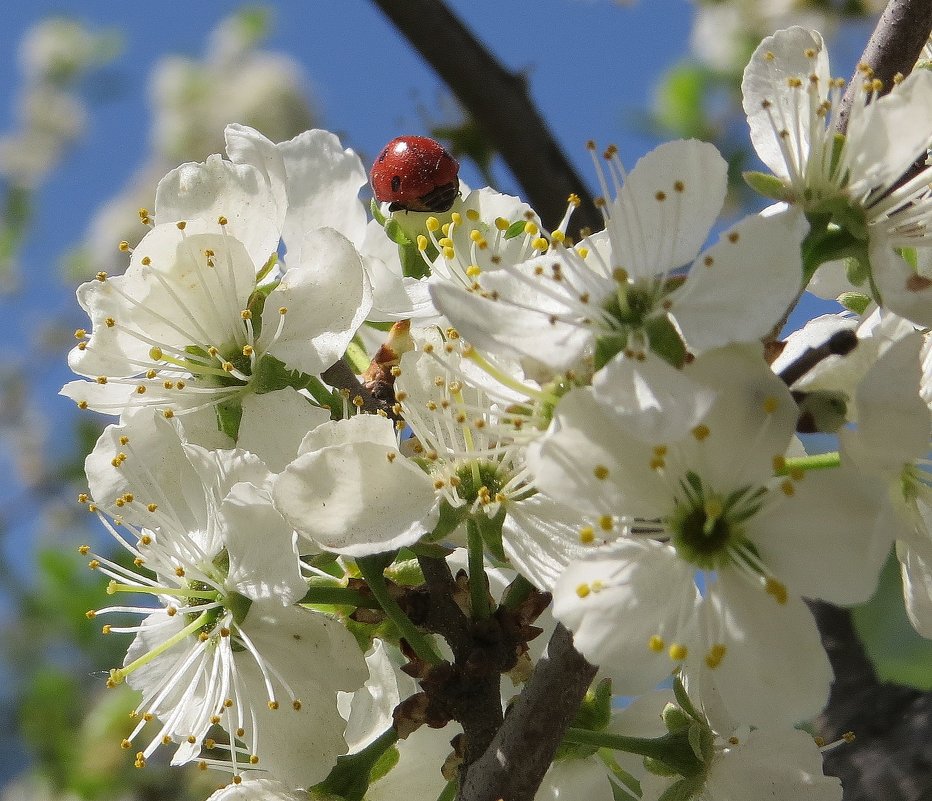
514,765
499,102
894,47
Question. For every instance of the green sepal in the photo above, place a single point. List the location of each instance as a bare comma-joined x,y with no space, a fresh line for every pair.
451,518
831,243
271,375
697,740
854,302
683,699
665,340
239,605
430,550
491,530
768,185
229,416
595,711
406,572
682,790
396,233
376,210
352,774
412,262
620,794
674,718
607,346
515,229
266,269
658,767
384,764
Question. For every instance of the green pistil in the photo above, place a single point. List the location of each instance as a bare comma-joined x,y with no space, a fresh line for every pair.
707,527
478,480
631,305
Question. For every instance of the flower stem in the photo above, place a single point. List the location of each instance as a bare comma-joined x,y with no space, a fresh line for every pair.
372,568
818,461
478,591
336,595
672,749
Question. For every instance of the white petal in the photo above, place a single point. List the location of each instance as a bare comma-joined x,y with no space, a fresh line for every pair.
261,547
246,145
890,133
777,59
541,537
317,656
821,541
328,297
779,764
523,322
654,401
257,790
156,470
586,442
741,287
218,188
761,638
646,591
323,189
274,423
352,499
360,428
666,207
916,570
902,289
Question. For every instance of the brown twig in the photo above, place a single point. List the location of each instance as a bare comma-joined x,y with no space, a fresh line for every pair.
499,102
514,765
894,47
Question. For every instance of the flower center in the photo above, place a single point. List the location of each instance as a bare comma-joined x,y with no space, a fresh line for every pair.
707,528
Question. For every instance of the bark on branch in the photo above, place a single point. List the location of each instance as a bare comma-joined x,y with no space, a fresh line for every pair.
514,765
893,48
499,102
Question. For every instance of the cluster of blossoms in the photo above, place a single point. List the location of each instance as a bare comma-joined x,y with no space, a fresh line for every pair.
609,422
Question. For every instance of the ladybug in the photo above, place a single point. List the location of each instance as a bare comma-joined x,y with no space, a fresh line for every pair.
415,173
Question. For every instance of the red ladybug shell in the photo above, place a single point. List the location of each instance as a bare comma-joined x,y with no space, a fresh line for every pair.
415,173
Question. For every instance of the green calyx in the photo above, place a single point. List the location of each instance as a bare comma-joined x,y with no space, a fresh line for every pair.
638,320
478,480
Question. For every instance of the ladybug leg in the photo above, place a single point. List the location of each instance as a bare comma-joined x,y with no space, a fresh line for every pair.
440,198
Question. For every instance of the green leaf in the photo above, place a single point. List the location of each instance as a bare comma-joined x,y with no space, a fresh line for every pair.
898,653
680,100
665,340
682,790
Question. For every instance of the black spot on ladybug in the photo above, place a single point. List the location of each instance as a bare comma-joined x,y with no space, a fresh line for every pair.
396,183
382,155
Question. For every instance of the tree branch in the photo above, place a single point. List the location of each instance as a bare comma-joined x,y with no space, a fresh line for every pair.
894,46
341,376
514,765
499,102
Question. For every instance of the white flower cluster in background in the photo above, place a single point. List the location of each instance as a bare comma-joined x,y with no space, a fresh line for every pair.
598,421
